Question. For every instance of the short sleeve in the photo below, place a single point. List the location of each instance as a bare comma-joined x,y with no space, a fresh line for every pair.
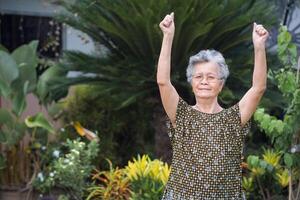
245,129
180,120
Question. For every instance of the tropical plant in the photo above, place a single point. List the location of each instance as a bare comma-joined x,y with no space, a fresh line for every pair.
118,130
112,184
17,79
283,130
147,177
265,177
129,33
69,170
132,37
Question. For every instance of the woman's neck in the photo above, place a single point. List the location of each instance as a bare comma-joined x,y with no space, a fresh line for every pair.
208,105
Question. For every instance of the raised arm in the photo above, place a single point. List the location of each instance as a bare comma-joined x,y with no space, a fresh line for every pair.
168,93
251,99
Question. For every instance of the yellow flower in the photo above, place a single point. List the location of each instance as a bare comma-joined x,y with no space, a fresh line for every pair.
144,167
257,171
283,178
85,132
248,184
79,128
137,168
272,157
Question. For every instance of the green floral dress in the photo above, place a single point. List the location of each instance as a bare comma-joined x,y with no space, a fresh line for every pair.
207,153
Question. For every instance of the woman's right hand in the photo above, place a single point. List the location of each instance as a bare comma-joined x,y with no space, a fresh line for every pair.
167,25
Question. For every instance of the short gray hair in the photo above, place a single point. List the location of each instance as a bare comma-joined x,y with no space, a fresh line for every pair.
209,55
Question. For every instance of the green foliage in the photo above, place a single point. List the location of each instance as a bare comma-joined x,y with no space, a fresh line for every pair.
272,126
17,75
287,51
129,32
147,189
18,78
39,121
119,130
148,177
142,178
265,174
283,130
68,170
111,184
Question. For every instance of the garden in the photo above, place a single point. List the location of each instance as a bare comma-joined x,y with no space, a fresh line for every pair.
101,134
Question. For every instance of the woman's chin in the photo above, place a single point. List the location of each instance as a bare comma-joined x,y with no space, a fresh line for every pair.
205,96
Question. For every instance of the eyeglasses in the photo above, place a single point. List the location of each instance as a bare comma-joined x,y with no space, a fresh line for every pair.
210,78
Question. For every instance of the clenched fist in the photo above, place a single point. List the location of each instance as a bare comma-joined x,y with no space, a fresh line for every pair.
167,25
259,36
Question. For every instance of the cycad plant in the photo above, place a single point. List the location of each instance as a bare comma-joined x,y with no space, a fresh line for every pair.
128,30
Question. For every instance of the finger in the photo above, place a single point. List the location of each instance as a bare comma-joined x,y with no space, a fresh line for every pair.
254,26
169,17
167,23
262,31
172,15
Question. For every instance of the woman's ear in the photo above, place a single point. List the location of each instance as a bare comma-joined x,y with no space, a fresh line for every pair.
221,85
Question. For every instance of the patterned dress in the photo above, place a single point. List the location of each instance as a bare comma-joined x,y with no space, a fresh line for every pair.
207,153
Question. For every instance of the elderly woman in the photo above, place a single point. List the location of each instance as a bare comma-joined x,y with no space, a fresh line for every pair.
207,140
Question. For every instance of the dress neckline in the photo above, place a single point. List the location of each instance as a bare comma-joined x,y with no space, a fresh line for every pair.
205,113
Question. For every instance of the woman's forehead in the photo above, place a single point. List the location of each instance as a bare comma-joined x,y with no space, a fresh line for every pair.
207,67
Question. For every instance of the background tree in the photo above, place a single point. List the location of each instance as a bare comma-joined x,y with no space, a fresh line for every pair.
129,31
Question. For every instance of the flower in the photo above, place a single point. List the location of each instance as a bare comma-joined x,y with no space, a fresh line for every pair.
145,167
272,157
85,132
75,151
283,178
55,153
41,176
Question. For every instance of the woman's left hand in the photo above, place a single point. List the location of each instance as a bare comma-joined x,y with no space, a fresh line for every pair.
259,36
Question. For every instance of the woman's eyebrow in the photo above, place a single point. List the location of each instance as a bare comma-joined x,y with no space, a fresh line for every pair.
209,73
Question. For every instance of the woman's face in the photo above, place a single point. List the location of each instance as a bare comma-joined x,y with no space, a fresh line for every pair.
206,81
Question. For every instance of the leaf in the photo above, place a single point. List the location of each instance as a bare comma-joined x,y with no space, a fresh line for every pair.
3,137
39,121
4,89
5,117
8,68
288,160
263,164
34,45
47,79
25,55
19,99
2,162
129,31
253,161
2,48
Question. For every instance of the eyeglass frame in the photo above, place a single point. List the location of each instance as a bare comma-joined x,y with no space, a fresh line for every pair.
207,76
